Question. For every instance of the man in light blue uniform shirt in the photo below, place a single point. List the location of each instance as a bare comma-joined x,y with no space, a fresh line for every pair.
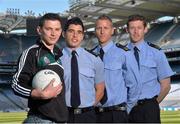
90,73
152,71
114,59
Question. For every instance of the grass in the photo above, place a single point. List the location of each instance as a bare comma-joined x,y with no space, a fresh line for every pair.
167,117
12,117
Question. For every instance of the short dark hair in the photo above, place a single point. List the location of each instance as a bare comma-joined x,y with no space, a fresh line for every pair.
135,18
75,21
104,17
49,16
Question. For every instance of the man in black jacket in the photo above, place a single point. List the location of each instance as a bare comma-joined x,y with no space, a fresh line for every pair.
47,105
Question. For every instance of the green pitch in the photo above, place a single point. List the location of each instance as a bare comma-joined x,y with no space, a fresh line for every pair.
167,117
14,117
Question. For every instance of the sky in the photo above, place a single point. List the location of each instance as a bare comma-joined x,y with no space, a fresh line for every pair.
36,6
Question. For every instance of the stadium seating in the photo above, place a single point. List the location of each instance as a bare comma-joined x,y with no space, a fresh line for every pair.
9,101
175,34
157,31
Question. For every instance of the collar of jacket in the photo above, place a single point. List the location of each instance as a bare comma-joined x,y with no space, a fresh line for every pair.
56,50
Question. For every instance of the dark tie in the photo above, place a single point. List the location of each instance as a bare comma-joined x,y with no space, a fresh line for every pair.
101,54
136,54
75,95
104,99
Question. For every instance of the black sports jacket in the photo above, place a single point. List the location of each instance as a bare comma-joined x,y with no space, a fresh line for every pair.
33,59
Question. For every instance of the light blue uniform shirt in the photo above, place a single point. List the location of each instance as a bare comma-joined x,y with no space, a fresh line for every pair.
153,68
114,61
91,72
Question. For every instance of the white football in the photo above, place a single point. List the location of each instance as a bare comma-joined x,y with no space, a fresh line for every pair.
43,78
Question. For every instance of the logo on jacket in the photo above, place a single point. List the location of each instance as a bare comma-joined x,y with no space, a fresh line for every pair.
46,60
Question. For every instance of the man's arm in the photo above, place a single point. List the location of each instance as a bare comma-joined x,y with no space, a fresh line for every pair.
164,73
99,92
23,76
165,87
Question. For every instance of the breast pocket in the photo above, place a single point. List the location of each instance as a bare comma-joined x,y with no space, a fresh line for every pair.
113,67
87,72
114,64
149,71
113,72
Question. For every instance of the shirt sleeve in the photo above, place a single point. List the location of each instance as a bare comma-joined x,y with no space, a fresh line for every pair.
21,83
163,68
99,70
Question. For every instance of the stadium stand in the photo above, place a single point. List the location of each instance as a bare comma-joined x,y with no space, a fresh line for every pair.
8,45
27,41
157,31
175,33
9,101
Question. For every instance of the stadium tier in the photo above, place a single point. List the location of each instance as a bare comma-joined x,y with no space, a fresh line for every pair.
9,101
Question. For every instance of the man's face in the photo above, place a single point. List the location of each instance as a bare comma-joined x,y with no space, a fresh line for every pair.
136,31
104,31
50,32
74,35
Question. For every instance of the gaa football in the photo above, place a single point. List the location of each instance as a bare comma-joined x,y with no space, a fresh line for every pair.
43,78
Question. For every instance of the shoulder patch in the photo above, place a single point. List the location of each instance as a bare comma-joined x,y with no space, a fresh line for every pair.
91,51
122,47
153,45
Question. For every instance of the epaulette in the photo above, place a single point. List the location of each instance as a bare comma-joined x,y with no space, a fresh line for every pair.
122,47
94,48
153,45
91,51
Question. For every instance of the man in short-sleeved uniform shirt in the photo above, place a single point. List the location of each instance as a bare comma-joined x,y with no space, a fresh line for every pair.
90,75
152,72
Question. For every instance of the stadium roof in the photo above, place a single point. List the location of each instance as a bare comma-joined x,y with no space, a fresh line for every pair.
119,10
12,22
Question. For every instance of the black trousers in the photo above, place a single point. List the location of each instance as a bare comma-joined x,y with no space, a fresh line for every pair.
112,117
147,111
85,117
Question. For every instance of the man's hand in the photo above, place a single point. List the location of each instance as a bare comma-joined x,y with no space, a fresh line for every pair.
48,92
